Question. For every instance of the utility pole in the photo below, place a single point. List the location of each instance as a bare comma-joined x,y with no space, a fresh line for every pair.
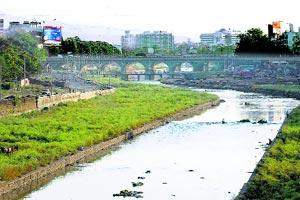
0,80
24,69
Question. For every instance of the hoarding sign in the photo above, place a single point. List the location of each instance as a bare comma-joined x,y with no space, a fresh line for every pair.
52,35
276,25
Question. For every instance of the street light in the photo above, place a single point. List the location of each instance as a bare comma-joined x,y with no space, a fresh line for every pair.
0,80
24,83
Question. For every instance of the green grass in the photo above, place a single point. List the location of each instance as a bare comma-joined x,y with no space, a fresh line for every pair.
45,136
279,175
279,87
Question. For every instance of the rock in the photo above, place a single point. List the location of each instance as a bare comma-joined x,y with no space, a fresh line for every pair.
128,193
262,121
244,120
136,184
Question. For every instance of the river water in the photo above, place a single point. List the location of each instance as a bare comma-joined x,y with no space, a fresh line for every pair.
197,158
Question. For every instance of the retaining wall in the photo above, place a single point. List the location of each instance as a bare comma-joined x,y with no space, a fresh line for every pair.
27,104
26,182
47,101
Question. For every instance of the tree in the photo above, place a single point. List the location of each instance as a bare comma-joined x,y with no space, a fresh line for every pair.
254,41
27,43
20,50
77,46
296,44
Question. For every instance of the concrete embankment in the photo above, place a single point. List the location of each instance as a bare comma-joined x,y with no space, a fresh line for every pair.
18,187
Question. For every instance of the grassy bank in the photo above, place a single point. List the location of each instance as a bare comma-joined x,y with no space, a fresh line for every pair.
45,136
278,177
279,87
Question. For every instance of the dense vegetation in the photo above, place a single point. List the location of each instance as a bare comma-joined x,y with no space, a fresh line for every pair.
278,177
255,41
76,46
18,51
45,136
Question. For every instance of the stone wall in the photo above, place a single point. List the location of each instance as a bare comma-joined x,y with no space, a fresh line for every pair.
48,101
27,104
17,106
26,182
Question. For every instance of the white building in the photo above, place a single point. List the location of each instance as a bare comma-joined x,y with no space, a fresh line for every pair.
128,40
221,37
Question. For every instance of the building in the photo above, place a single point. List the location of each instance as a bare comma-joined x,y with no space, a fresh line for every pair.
1,26
157,42
221,37
128,40
32,26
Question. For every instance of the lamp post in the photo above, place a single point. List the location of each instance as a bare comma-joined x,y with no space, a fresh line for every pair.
24,69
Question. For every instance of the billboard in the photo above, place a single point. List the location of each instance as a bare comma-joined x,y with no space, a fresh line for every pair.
276,25
52,35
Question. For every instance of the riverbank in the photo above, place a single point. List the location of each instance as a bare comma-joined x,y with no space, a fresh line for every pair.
27,182
243,85
276,176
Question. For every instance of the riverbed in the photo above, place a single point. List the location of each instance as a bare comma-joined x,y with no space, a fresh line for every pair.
208,156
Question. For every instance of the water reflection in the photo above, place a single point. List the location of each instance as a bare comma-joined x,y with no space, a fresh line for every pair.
197,158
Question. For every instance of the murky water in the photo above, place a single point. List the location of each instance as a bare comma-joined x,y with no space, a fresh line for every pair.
197,158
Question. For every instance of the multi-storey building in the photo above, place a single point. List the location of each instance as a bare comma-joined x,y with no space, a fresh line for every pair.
157,42
128,40
32,26
160,42
1,26
221,37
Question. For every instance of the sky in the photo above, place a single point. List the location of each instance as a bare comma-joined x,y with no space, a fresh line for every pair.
187,18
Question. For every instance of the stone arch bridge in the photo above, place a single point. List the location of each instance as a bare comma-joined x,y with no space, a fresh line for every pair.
198,63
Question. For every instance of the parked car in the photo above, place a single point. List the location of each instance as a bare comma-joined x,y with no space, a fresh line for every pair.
88,81
46,92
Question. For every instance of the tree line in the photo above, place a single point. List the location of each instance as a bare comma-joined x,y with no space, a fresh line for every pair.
76,46
20,56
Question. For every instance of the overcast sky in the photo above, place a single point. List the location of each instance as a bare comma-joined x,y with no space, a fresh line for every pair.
187,18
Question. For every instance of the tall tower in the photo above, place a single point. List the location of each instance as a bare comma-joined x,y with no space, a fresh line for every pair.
1,25
270,31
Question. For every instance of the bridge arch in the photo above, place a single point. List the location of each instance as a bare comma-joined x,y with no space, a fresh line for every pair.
111,68
186,67
161,68
136,69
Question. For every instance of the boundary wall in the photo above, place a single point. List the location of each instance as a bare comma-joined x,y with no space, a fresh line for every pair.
27,104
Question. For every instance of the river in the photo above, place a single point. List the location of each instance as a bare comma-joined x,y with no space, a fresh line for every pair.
197,158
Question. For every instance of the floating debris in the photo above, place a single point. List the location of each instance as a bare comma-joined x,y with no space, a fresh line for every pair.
148,172
137,184
141,177
244,120
128,193
262,121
